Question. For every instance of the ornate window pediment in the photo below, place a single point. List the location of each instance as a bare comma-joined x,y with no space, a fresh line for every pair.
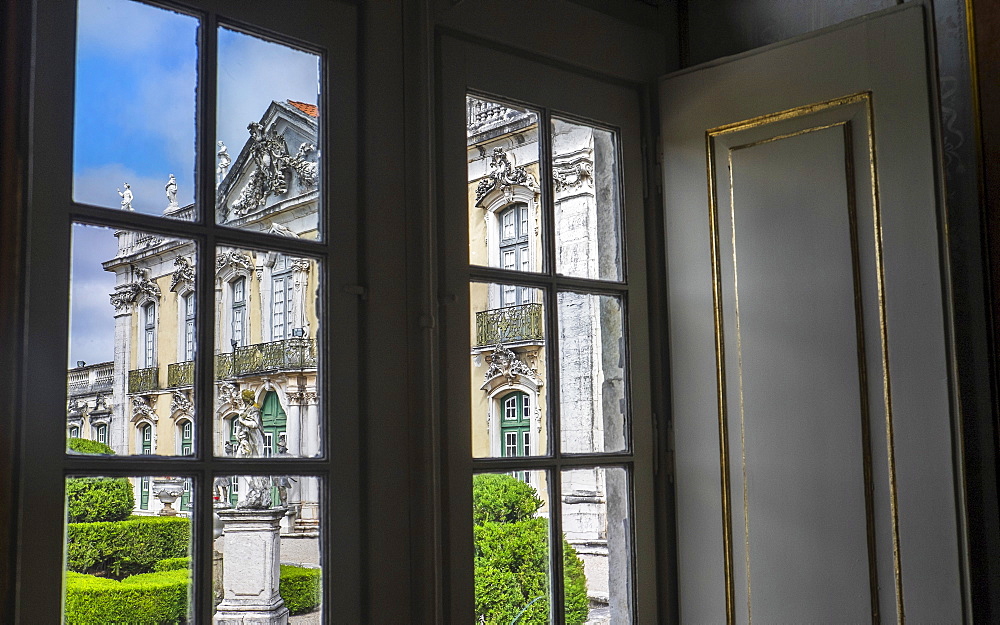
507,369
183,276
142,408
141,288
503,175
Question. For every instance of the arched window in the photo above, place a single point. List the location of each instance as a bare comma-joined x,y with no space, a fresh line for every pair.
515,427
273,422
149,335
186,438
514,251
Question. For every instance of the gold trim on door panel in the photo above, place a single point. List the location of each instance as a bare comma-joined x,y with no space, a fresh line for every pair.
859,98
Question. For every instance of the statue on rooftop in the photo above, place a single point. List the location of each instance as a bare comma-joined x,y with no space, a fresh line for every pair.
126,197
171,190
224,161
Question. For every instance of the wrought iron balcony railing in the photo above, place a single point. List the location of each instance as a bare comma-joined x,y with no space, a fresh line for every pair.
281,355
144,380
180,374
509,324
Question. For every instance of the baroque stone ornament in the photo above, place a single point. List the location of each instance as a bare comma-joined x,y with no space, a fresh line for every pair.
126,294
171,190
272,166
180,405
229,394
224,161
573,175
142,408
504,362
236,260
502,175
183,274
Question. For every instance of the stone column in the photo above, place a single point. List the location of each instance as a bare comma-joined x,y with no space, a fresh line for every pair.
251,573
308,520
117,435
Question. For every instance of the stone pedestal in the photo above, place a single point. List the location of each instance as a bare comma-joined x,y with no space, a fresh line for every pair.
250,572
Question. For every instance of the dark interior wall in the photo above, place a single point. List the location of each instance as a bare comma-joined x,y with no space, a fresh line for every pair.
723,27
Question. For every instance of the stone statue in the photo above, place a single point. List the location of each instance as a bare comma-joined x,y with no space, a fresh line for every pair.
224,161
171,189
126,197
283,483
250,444
221,488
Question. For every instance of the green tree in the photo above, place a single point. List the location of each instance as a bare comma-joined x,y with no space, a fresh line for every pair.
511,556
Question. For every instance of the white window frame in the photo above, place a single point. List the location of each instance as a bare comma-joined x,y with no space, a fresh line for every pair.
148,321
543,88
328,28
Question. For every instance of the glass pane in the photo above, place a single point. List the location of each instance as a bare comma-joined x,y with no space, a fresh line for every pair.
508,403
128,550
587,199
267,549
132,343
592,397
267,163
505,211
597,551
134,118
266,363
511,540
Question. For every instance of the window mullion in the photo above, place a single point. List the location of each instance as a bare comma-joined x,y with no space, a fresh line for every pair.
204,443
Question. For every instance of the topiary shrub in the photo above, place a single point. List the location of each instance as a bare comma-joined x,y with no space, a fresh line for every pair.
122,548
87,446
92,499
511,556
148,598
172,564
300,588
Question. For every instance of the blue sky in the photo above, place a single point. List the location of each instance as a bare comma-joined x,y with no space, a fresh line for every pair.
136,75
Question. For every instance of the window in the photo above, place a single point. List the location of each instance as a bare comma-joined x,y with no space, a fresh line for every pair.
149,336
238,314
74,432
547,181
188,303
281,299
195,78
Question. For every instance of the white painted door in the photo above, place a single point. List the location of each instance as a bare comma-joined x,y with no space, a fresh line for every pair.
815,478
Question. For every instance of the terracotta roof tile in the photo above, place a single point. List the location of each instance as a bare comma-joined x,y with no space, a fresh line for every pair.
309,109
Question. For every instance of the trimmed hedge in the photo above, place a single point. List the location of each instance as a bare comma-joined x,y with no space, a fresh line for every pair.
122,548
511,556
87,446
94,499
147,598
300,588
172,564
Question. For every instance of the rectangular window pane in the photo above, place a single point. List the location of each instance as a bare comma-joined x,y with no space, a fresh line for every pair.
268,536
128,550
588,211
511,541
597,552
508,370
266,381
132,339
592,388
268,170
504,194
134,126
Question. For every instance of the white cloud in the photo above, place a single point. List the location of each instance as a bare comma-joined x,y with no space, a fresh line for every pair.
129,28
252,73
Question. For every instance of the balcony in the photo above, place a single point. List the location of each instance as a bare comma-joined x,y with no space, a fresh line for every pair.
282,355
180,374
144,380
509,325
91,379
